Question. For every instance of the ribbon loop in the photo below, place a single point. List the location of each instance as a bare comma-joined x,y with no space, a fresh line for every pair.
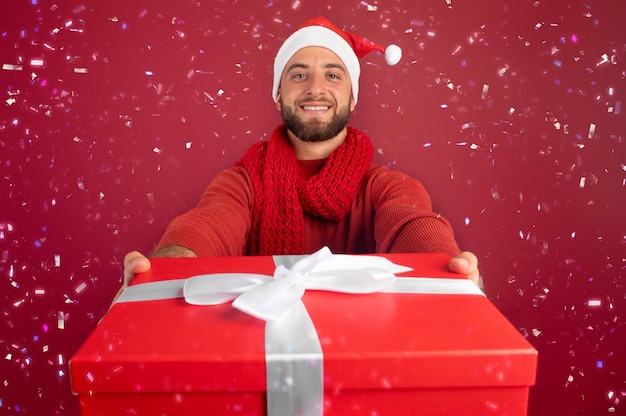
213,289
270,298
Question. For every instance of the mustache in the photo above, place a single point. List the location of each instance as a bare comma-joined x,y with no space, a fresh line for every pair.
314,100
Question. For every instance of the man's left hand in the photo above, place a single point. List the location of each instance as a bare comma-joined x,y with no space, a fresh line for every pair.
466,263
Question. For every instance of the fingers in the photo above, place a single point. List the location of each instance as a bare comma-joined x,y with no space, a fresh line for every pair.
134,263
466,263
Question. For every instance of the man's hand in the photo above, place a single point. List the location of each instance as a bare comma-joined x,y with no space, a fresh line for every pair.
466,263
134,262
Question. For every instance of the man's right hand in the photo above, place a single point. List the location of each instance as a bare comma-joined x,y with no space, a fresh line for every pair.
134,263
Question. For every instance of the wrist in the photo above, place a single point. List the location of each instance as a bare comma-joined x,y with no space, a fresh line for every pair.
174,251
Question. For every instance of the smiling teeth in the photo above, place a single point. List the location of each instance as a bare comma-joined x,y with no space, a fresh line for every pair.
315,108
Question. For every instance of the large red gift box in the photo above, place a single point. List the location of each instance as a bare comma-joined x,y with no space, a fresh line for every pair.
383,353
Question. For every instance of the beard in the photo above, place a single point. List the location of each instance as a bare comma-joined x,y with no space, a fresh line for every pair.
315,130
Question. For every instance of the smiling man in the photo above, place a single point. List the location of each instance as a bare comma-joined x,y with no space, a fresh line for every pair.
315,97
313,183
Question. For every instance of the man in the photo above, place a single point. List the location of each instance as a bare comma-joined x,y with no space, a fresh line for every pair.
313,184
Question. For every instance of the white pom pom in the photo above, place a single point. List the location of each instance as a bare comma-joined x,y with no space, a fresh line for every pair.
393,54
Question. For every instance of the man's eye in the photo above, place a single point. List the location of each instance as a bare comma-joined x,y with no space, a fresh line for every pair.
298,76
333,76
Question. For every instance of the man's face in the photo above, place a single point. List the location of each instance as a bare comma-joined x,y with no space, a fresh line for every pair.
315,95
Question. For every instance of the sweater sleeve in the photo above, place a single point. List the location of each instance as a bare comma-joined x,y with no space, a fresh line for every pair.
403,218
220,222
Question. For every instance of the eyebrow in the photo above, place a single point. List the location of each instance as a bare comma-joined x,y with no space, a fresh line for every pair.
330,65
337,66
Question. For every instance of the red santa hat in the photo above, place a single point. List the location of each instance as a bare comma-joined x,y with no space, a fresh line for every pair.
347,46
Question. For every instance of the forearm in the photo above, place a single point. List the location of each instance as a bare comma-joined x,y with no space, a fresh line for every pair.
424,234
219,224
404,220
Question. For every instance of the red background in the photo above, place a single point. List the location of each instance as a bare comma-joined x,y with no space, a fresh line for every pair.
116,114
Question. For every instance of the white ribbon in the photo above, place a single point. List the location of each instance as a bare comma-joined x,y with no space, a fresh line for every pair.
270,298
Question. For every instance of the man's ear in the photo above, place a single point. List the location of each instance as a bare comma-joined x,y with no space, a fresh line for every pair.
277,102
352,103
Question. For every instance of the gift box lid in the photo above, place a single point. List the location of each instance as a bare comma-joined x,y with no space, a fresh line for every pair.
379,340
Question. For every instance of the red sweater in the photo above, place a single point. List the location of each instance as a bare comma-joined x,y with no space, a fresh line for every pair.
392,212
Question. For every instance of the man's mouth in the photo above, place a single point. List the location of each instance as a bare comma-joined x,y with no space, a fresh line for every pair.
315,107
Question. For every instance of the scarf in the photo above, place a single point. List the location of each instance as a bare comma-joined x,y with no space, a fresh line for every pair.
282,193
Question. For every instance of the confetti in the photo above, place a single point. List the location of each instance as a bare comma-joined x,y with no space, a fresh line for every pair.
12,67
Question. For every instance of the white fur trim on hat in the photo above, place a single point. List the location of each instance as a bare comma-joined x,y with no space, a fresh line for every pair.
317,36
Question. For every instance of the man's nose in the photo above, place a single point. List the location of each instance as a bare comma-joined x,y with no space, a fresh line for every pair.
316,85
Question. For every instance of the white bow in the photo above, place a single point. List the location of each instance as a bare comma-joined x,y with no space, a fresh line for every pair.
269,298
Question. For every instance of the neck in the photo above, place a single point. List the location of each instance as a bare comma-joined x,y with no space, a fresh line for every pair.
316,150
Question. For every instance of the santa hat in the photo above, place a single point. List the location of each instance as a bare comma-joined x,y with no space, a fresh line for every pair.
347,46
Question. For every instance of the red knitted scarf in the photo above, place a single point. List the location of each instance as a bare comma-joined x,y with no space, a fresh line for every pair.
282,192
